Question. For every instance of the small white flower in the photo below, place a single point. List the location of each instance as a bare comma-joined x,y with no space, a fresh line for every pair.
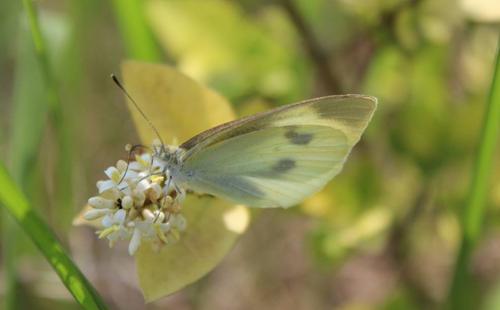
113,174
115,228
118,177
116,219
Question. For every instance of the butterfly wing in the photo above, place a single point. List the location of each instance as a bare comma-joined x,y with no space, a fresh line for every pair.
276,158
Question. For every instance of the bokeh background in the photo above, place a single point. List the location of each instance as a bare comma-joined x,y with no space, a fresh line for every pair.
384,234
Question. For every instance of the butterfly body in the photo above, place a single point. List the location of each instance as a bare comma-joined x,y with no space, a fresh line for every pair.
272,159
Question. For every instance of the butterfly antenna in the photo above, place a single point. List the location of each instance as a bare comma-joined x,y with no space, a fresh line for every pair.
120,85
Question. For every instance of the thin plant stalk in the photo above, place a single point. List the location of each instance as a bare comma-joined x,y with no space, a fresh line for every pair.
28,120
18,207
137,36
56,113
460,296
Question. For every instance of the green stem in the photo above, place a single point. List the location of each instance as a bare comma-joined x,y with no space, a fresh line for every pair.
41,51
62,132
9,247
18,207
461,291
139,40
17,204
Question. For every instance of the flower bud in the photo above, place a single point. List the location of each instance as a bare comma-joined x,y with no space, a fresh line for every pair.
103,186
180,222
132,215
100,203
127,202
95,214
121,165
154,192
135,242
139,198
148,215
159,216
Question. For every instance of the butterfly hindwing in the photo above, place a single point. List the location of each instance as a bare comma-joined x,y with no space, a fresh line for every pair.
271,167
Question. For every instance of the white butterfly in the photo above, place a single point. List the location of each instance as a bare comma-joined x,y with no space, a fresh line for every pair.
272,159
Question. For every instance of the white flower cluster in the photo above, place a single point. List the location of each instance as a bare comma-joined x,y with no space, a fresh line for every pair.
138,203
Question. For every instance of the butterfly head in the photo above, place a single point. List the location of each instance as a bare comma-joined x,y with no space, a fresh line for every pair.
169,155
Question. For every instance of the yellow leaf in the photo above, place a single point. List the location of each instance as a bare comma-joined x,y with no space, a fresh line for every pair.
180,108
206,240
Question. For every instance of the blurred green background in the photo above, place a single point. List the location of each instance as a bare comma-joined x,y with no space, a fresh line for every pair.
384,234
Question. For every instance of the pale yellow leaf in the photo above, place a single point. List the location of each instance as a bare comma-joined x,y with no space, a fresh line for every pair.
180,108
207,239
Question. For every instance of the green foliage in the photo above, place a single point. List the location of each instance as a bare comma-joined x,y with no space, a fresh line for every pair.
36,93
17,205
214,42
138,39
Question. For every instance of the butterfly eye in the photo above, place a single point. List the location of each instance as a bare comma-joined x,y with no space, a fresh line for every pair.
165,156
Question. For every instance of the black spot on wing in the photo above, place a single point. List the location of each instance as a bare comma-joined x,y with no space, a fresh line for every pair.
283,165
298,138
275,171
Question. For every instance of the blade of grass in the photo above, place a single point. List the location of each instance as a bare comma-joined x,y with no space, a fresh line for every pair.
139,40
28,122
16,204
460,296
62,132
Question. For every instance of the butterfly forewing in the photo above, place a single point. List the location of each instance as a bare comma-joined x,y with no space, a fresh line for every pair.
349,113
277,158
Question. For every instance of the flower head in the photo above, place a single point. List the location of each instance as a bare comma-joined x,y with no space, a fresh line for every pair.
138,202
